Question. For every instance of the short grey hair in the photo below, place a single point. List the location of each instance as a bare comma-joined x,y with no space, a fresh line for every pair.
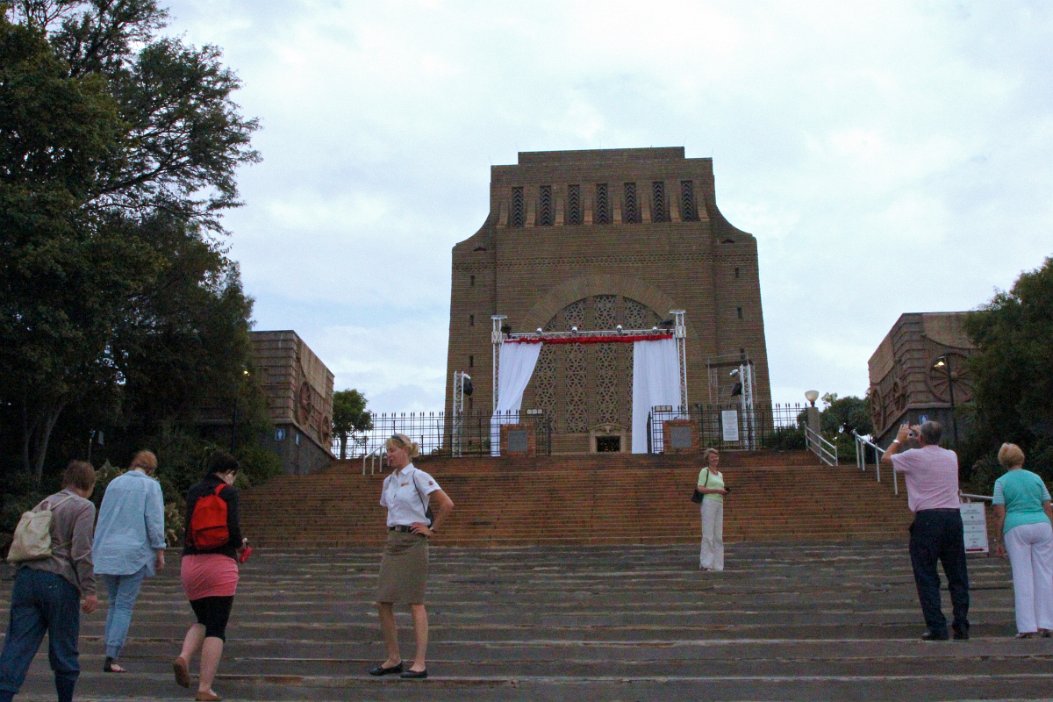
931,431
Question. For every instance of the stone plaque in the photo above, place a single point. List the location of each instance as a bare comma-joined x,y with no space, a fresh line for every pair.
518,441
680,437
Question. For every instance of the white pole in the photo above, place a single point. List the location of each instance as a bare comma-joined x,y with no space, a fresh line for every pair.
680,333
497,338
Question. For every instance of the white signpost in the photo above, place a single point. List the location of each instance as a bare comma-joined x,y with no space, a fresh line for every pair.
974,523
729,424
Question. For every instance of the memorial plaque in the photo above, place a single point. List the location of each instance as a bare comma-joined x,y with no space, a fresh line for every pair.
680,437
518,441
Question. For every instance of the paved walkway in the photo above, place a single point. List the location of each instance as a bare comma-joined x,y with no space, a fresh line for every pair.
784,622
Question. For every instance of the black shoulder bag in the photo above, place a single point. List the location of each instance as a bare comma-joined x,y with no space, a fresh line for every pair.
698,496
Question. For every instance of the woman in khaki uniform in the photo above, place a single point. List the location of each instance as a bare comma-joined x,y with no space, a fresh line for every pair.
407,494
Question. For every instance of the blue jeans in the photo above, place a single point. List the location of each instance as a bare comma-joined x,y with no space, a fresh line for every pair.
123,591
41,602
937,535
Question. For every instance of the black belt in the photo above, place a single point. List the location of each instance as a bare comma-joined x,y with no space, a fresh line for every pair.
401,527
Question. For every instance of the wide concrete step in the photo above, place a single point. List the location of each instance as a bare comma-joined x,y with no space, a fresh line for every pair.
798,621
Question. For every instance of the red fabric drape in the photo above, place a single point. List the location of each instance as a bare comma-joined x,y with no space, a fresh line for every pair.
613,339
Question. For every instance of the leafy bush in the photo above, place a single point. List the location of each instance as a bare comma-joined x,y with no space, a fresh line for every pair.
785,439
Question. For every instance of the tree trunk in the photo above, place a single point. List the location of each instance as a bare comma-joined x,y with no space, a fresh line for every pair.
343,446
36,435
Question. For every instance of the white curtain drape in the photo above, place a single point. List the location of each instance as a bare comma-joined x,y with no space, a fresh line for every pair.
656,381
517,363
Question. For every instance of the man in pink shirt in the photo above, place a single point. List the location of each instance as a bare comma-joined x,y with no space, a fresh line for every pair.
931,475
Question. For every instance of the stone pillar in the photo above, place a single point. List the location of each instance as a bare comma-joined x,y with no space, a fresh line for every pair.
813,420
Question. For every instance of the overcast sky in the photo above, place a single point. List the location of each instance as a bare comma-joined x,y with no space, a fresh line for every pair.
889,157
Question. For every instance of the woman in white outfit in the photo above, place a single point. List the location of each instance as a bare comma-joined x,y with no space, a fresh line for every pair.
711,485
1023,517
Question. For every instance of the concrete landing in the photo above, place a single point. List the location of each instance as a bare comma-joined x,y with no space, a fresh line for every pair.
783,622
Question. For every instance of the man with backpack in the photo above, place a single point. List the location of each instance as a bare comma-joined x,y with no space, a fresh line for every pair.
48,591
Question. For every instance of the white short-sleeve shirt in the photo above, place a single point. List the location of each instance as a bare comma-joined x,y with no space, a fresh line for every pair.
405,495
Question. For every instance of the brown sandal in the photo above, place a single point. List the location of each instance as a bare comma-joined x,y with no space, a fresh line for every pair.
182,673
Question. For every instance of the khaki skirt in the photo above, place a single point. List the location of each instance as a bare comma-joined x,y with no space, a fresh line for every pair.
403,569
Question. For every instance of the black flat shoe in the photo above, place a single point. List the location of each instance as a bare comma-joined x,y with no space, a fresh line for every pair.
381,670
414,675
930,635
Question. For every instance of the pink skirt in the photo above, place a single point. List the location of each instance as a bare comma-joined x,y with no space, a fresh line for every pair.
209,575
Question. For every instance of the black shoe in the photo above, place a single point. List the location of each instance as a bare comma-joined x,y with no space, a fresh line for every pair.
414,675
931,635
381,670
961,634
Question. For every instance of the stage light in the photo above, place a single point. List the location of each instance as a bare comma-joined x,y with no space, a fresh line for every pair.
619,329
574,328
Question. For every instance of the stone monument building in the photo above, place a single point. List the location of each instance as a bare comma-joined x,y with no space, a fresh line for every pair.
596,239
299,391
918,372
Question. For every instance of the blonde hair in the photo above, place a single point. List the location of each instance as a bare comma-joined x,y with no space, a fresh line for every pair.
707,453
1010,456
145,460
403,442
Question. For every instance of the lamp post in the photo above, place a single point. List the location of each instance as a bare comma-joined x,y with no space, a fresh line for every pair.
944,363
811,412
234,416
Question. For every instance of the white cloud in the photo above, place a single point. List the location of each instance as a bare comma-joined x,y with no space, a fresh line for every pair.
888,157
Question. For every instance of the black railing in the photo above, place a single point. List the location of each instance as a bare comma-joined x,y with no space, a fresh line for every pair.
437,434
731,426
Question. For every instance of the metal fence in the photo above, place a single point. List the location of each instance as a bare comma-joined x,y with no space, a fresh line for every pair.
435,432
731,426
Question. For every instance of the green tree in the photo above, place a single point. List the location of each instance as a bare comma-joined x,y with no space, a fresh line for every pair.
843,415
349,416
118,153
1013,385
56,132
840,417
183,137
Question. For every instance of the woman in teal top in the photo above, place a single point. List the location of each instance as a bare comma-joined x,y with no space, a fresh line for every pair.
1023,517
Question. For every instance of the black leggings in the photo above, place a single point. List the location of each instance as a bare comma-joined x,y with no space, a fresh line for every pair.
213,612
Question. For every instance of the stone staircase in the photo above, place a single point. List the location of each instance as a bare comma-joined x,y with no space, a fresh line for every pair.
799,621
594,499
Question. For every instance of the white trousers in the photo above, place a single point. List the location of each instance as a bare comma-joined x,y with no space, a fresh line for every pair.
1030,549
711,555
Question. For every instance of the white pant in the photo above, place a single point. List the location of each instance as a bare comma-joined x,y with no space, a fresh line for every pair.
711,555
1030,549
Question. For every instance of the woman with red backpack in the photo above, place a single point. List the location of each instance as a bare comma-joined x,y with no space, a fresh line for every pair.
209,569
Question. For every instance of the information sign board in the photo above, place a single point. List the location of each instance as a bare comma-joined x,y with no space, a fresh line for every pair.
974,523
729,424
